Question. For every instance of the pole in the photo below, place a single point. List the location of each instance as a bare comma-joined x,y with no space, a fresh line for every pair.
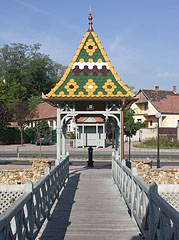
158,158
129,148
58,129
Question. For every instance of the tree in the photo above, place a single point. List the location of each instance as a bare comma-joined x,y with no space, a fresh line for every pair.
130,127
26,72
5,117
20,113
33,101
43,128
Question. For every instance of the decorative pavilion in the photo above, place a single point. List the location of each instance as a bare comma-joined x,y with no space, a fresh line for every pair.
92,93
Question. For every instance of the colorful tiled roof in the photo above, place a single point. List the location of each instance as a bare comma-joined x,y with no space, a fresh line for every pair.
90,74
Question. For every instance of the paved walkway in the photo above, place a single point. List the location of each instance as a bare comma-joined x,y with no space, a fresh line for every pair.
90,207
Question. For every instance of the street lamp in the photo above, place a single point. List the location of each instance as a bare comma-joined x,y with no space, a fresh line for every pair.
158,116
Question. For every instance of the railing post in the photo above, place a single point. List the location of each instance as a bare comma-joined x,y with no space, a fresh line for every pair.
117,155
47,170
29,187
113,155
67,156
123,163
134,173
153,188
30,208
57,162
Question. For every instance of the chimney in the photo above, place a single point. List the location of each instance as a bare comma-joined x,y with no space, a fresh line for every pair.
174,89
156,88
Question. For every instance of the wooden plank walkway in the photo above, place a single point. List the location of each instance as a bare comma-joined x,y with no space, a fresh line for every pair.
90,207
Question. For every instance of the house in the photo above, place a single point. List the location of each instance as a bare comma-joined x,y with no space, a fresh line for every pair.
152,101
49,113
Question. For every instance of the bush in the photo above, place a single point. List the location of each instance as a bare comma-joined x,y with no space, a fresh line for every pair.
28,134
164,142
70,135
9,136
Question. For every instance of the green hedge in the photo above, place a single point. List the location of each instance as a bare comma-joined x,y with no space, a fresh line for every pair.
28,135
10,136
13,136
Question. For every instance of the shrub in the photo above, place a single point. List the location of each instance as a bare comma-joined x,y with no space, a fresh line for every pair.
164,142
28,134
9,136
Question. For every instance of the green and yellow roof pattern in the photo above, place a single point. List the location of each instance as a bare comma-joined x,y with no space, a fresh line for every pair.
90,75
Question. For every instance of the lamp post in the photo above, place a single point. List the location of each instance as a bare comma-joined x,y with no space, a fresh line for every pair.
158,116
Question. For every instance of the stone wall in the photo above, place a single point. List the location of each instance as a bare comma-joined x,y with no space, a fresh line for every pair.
158,175
21,176
166,179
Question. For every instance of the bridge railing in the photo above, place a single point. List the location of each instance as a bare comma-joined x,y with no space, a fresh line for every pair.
26,215
155,218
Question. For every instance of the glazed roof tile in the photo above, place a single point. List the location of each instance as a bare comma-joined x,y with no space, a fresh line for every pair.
90,75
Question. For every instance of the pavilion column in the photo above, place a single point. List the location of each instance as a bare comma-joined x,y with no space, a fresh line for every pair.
104,138
117,139
76,136
83,134
97,136
63,141
122,133
58,132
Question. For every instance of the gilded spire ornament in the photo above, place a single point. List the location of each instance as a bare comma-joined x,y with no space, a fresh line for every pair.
90,22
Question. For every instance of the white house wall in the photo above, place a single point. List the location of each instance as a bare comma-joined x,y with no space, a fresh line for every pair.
171,120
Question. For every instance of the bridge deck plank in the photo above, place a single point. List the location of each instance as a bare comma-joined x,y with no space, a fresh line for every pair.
90,207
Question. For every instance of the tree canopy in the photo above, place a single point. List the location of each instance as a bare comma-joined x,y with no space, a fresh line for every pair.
130,127
25,72
43,128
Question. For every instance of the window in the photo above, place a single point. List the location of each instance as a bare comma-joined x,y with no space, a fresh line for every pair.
150,122
139,120
145,106
90,107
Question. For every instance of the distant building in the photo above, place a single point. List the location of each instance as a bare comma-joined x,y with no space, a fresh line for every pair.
49,113
152,101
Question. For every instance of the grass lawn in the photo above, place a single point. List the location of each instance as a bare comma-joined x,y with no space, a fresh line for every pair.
164,143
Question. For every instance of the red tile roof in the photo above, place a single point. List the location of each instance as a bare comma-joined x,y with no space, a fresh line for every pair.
164,101
98,119
43,111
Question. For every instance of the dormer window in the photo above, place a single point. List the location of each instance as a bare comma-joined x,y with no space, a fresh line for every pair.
145,106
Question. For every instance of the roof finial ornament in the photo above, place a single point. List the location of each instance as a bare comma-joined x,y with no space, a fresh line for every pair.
90,22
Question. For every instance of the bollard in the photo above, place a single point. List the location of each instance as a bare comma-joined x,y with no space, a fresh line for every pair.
17,152
90,157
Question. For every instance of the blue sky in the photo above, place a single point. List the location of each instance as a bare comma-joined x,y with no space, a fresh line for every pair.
141,37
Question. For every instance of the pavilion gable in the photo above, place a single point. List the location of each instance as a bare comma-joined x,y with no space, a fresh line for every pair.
90,75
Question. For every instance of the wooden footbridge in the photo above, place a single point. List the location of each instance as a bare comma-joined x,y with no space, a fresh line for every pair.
90,207
90,203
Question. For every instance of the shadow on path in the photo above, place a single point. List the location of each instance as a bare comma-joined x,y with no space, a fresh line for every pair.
60,217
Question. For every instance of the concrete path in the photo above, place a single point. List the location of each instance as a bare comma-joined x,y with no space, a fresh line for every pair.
90,207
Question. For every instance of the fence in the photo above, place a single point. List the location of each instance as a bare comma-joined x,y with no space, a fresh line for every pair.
26,216
155,218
